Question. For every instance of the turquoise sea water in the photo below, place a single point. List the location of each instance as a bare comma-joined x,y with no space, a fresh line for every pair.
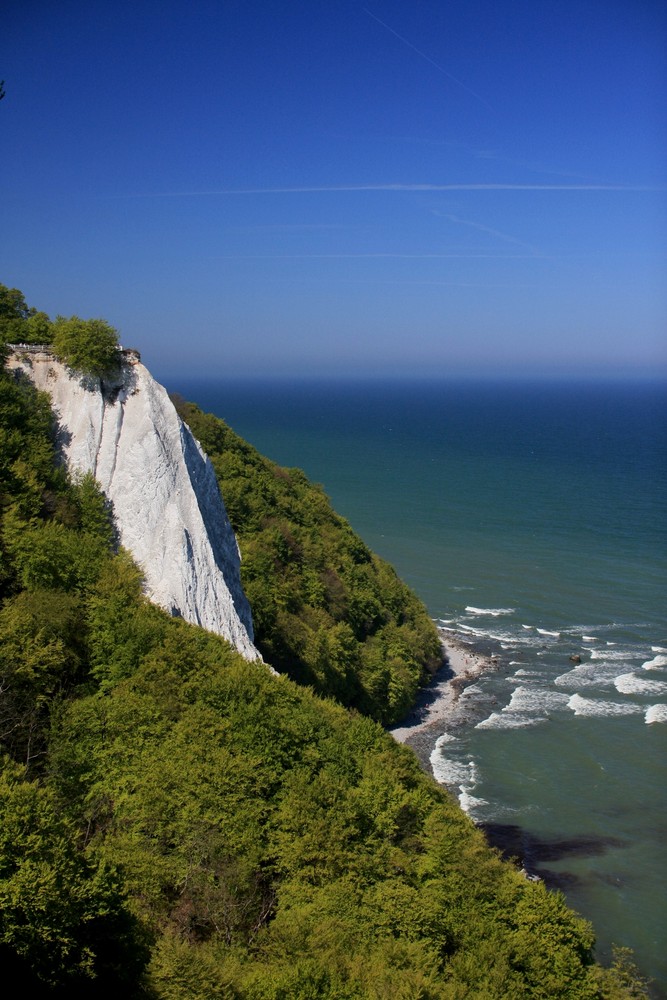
532,520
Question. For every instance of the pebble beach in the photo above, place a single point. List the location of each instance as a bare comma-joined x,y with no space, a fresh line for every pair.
439,702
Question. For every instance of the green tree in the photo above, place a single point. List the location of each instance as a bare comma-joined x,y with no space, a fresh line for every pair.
326,610
14,312
63,921
19,322
89,346
41,648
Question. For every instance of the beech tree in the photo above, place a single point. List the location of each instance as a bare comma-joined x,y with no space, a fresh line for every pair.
19,322
88,345
63,921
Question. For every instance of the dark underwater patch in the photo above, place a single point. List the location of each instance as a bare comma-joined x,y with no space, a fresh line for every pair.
514,842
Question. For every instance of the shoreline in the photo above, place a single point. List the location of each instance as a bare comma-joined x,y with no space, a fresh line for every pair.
438,702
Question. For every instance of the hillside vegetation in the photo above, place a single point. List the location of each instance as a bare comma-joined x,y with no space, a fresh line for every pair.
327,611
179,824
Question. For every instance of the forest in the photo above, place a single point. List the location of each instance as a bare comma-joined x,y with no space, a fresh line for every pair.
176,822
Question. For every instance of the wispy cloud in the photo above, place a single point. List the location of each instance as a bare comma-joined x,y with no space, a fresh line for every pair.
352,188
428,59
496,233
290,228
375,256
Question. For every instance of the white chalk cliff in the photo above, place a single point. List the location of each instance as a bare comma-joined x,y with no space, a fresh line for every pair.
166,501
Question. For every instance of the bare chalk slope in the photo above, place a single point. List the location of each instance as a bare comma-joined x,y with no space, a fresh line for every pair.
167,504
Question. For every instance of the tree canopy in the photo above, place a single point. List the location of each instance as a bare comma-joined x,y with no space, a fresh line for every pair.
179,824
89,346
327,610
20,323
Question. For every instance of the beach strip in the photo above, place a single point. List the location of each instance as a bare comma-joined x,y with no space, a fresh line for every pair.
438,701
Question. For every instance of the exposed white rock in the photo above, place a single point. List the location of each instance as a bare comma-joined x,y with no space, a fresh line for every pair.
166,501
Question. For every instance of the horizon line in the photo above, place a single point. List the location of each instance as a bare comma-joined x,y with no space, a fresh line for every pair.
563,375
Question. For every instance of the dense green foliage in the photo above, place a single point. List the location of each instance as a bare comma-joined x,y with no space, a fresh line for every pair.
179,824
89,346
326,610
19,323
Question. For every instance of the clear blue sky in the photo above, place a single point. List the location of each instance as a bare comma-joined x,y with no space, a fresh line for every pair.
382,186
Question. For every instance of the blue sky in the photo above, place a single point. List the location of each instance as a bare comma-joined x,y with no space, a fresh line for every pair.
383,187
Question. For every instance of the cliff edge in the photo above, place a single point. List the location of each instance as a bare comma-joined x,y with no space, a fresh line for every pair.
167,505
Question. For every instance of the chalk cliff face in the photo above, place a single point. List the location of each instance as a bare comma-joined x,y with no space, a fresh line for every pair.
167,504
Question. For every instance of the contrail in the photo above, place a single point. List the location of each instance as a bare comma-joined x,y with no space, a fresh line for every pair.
491,232
352,188
427,58
367,256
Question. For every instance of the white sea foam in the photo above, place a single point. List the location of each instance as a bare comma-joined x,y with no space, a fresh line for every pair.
656,713
527,640
469,628
634,684
508,721
502,637
658,649
527,626
545,631
536,700
595,707
585,675
494,612
657,661
450,771
484,633
445,738
468,802
589,638
617,654
473,693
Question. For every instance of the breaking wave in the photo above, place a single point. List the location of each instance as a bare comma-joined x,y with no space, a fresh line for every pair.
616,654
596,707
587,675
468,802
634,684
494,612
510,720
657,661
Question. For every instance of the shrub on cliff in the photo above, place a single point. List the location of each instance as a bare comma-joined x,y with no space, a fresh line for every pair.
90,346
19,322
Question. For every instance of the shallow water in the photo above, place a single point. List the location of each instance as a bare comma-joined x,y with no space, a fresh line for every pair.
532,521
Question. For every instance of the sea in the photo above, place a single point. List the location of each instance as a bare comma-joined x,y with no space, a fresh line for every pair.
531,518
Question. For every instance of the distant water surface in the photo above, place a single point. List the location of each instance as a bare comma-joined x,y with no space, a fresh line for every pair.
532,520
